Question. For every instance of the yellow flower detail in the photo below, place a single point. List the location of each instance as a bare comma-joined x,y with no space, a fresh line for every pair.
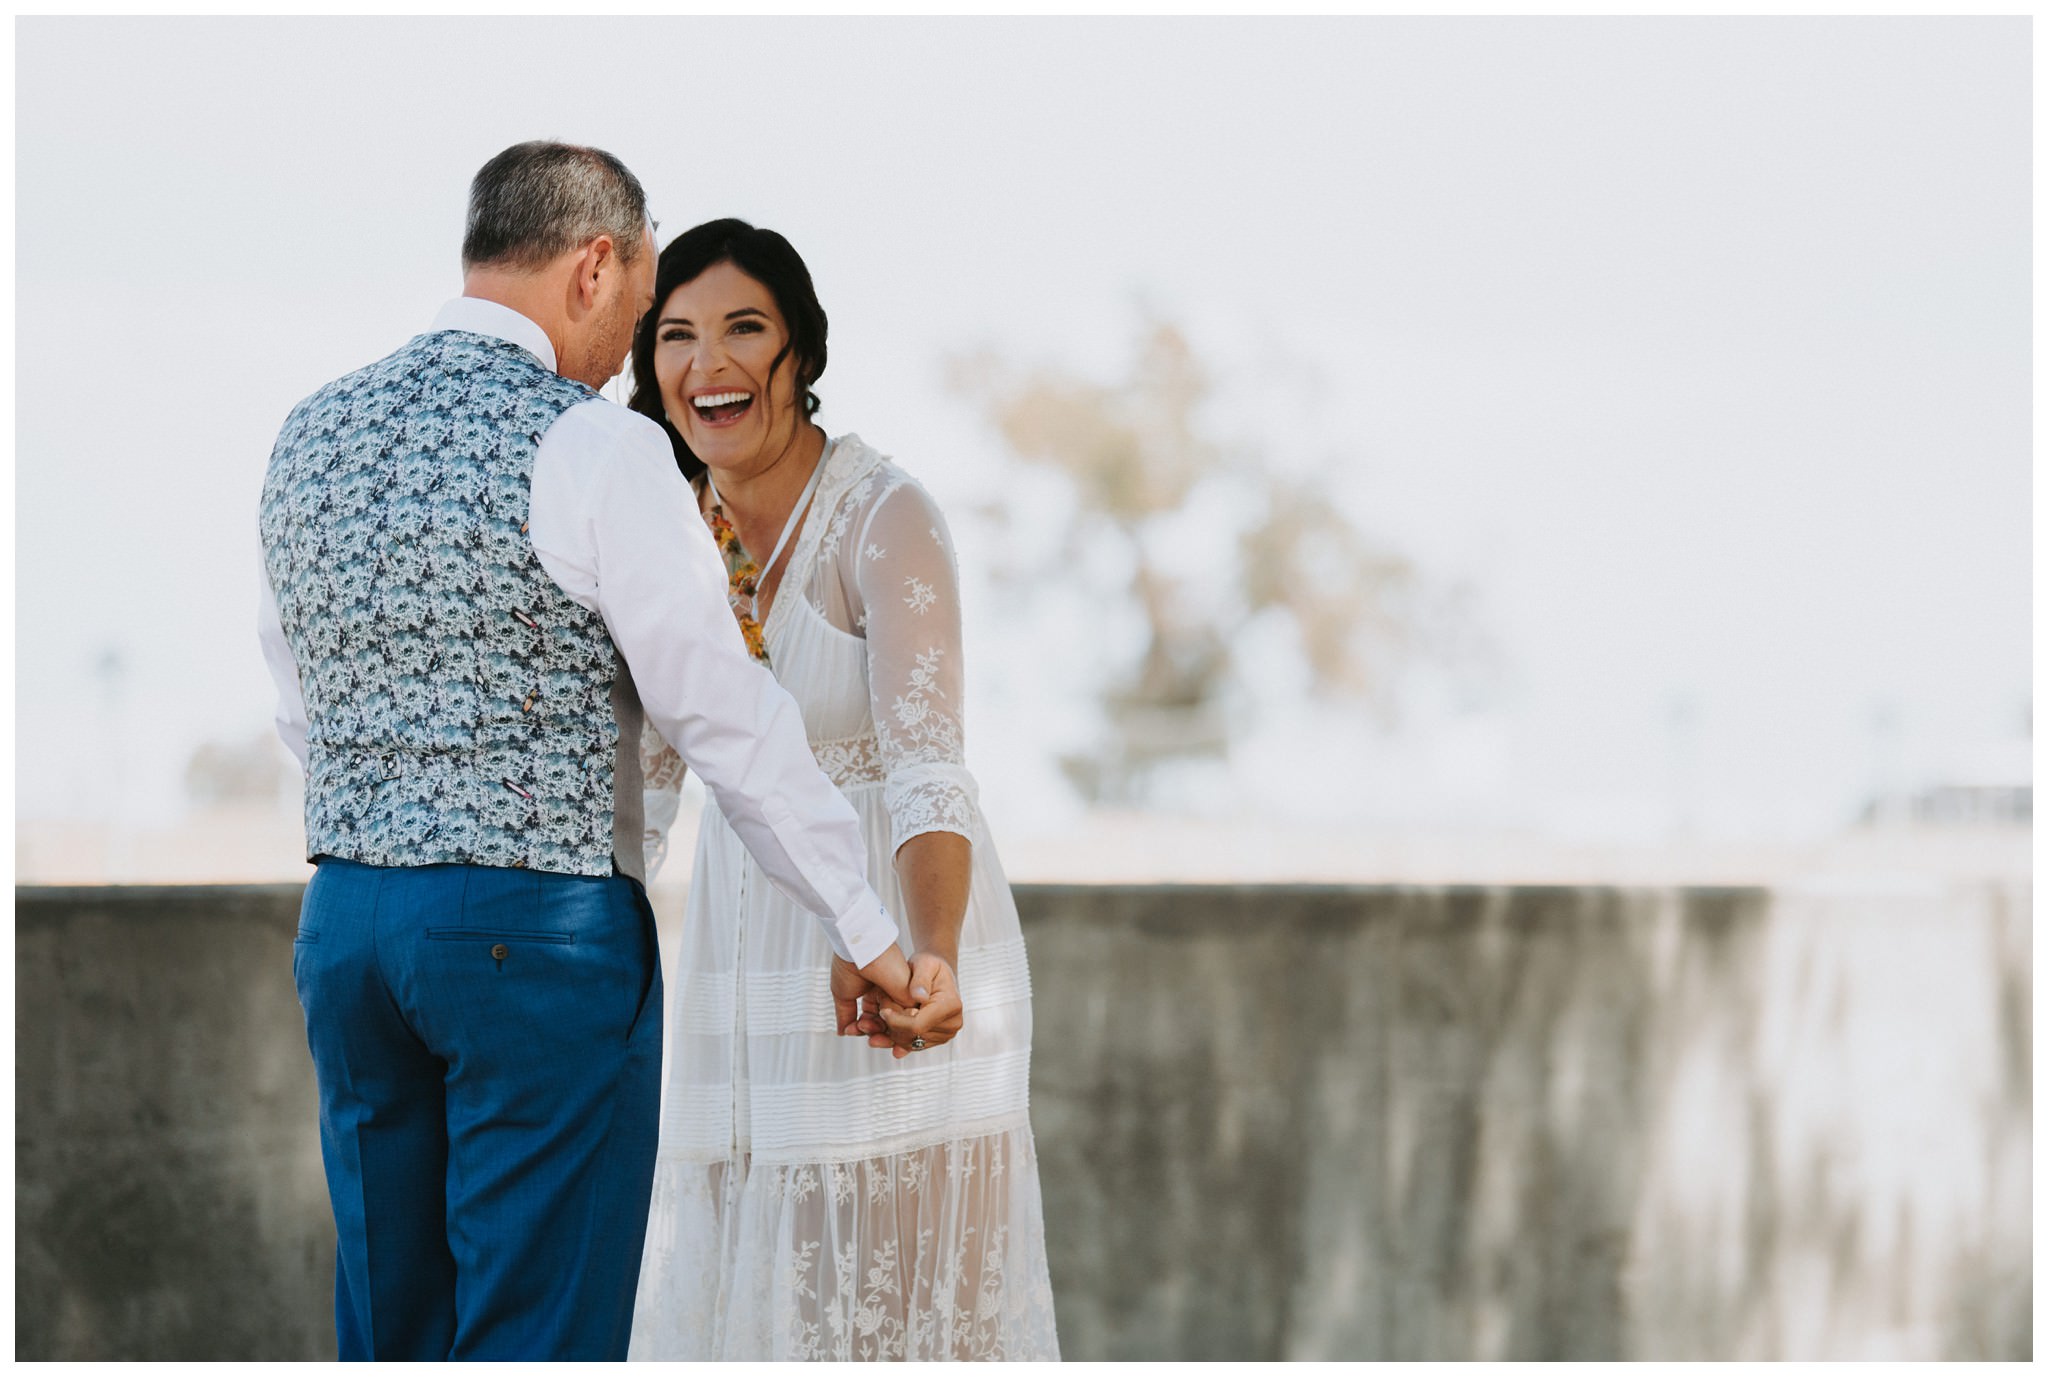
743,579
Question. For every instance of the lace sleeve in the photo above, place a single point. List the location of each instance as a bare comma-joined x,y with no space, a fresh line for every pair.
661,773
909,610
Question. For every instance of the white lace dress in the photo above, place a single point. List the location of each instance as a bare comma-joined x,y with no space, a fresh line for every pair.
815,1197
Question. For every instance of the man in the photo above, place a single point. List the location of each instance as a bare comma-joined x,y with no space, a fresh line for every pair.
479,574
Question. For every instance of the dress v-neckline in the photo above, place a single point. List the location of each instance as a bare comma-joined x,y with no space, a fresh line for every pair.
796,526
795,532
849,461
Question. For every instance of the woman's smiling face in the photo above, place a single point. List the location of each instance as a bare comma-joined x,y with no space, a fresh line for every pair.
715,342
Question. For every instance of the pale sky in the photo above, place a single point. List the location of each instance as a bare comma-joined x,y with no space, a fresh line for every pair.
1698,348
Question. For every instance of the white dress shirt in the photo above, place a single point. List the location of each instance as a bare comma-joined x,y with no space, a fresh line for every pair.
615,525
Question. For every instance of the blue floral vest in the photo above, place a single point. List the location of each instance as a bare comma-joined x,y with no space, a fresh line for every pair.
460,706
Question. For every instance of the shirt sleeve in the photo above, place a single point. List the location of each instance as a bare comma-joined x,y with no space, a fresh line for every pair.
284,672
613,523
908,590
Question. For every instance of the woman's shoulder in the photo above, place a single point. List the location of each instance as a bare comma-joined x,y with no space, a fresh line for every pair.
873,492
870,476
861,480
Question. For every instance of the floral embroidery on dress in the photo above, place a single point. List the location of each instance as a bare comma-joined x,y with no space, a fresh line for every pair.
853,1281
915,1170
921,595
844,504
851,760
914,710
928,788
661,785
660,766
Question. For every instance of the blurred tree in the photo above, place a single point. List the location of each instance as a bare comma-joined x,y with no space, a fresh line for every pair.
226,773
1140,461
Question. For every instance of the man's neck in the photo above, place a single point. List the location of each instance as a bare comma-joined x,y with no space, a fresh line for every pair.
530,294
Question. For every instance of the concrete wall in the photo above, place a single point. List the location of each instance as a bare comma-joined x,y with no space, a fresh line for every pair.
168,1197
1273,1123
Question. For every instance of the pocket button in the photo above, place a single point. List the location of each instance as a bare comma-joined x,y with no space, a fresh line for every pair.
500,952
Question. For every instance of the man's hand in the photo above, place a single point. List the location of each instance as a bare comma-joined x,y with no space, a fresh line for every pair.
887,976
932,1016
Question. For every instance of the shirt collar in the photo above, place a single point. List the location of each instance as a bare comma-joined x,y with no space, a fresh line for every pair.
480,317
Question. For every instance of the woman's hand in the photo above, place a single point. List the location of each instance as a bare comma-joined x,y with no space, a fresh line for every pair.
933,1019
888,976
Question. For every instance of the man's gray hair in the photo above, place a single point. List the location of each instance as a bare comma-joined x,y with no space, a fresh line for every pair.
538,200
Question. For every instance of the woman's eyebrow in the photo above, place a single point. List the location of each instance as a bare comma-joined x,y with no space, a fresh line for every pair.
729,315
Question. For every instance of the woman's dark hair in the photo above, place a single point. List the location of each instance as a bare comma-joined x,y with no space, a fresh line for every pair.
763,255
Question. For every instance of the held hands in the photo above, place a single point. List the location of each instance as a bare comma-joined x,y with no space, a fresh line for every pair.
888,973
918,1011
933,1017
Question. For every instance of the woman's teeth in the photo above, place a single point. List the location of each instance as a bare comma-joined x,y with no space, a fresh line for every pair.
722,406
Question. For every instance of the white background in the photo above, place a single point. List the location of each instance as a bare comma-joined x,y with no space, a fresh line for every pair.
1699,349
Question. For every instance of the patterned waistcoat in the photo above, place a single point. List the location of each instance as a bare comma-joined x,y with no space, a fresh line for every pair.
460,706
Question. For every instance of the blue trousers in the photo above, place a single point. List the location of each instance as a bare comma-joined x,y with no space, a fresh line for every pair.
487,1044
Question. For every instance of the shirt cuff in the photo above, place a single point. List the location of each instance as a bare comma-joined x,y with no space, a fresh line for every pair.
864,931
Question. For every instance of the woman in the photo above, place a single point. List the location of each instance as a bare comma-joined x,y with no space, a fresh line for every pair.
814,1197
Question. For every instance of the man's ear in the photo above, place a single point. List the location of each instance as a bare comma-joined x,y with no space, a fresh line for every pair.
599,258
